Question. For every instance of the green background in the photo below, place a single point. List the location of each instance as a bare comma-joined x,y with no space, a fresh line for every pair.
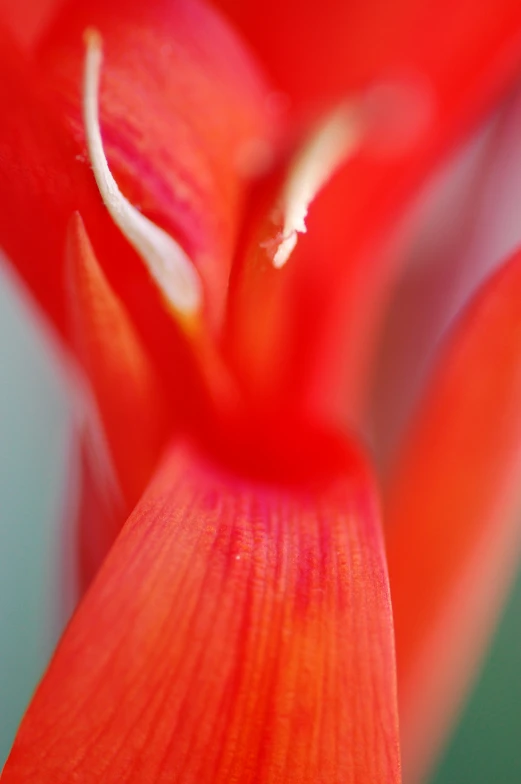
35,472
35,445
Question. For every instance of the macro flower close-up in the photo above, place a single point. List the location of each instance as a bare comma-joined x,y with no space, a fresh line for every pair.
273,250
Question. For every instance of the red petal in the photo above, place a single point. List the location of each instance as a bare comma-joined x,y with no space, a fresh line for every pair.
175,157
130,400
453,537
446,64
320,52
447,257
41,182
181,105
27,19
236,632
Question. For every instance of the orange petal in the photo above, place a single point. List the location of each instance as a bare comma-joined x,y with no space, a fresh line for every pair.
237,631
130,400
135,421
453,535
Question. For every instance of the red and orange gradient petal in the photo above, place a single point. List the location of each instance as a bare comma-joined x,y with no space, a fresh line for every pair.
453,535
238,631
130,399
129,422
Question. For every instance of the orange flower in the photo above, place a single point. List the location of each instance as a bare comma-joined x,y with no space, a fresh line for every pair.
211,241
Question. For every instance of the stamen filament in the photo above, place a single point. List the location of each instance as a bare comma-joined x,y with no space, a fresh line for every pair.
337,138
168,264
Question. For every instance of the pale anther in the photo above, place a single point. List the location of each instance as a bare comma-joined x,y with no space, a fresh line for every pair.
167,263
336,139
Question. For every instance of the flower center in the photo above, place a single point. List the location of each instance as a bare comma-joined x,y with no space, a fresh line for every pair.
168,264
277,449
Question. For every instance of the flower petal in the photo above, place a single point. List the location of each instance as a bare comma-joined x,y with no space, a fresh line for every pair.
453,534
131,402
41,182
27,19
181,105
236,632
449,227
101,511
184,161
128,422
319,53
468,225
422,70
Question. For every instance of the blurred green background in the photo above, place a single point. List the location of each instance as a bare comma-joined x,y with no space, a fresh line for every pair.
36,470
486,747
35,448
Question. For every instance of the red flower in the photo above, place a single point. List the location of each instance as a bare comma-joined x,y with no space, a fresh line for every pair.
237,626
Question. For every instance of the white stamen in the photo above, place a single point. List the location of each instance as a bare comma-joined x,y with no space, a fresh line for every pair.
168,264
337,138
